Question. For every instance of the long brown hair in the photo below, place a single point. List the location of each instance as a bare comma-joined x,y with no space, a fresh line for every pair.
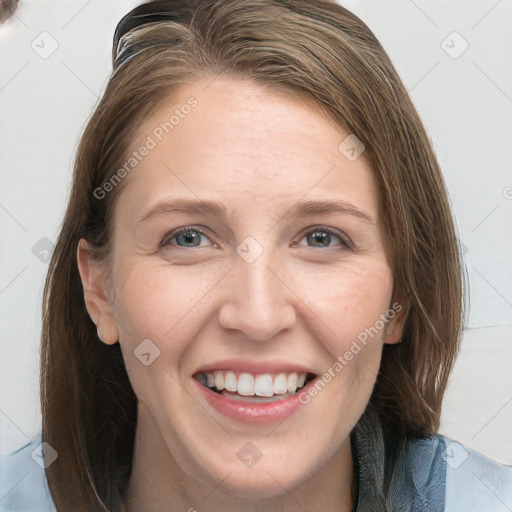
314,51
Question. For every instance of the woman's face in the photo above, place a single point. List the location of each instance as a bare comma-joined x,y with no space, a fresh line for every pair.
269,286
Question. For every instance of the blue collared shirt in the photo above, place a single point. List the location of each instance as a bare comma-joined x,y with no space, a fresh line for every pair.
444,476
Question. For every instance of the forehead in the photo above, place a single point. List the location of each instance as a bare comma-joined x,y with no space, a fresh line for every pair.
236,141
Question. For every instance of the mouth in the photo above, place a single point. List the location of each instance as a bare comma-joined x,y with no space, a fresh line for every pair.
254,387
253,391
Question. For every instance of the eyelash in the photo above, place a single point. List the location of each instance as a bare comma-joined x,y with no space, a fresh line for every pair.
190,229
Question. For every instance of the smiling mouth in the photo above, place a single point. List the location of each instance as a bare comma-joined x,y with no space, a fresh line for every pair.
264,387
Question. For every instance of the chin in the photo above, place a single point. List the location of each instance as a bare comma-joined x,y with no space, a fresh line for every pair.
257,482
259,485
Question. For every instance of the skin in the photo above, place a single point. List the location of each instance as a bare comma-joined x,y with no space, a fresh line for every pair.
301,300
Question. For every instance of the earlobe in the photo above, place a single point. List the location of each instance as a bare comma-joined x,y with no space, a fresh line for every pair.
96,301
395,327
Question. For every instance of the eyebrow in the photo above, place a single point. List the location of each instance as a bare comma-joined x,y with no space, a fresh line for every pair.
300,209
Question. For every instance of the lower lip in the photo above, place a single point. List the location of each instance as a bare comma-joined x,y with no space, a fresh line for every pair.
253,412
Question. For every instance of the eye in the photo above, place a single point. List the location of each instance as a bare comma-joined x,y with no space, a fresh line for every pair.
185,237
318,236
321,236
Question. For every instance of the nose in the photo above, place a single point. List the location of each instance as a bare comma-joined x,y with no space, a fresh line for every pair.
258,301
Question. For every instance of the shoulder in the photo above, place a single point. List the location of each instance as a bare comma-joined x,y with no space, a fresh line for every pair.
468,480
475,482
23,485
420,477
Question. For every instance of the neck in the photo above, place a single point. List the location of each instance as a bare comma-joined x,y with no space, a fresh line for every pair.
157,483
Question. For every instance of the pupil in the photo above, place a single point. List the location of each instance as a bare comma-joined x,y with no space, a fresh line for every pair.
320,236
189,237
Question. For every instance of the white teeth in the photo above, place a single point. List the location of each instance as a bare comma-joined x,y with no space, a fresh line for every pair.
281,384
246,384
219,380
263,385
230,382
292,382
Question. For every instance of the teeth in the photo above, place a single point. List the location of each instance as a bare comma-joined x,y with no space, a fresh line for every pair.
203,379
281,384
230,382
292,382
247,384
219,380
264,385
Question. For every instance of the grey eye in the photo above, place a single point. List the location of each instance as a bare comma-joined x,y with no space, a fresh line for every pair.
187,235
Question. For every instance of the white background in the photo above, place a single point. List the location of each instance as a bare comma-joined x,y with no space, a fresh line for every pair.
466,105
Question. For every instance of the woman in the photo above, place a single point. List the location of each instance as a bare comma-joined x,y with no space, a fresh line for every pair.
256,298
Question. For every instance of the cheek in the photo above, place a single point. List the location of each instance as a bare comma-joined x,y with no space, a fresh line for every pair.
349,301
156,300
157,303
351,305
164,305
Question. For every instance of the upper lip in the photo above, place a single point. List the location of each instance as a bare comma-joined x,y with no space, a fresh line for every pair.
255,367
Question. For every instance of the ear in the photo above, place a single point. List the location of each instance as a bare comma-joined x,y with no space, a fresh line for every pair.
96,300
397,315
